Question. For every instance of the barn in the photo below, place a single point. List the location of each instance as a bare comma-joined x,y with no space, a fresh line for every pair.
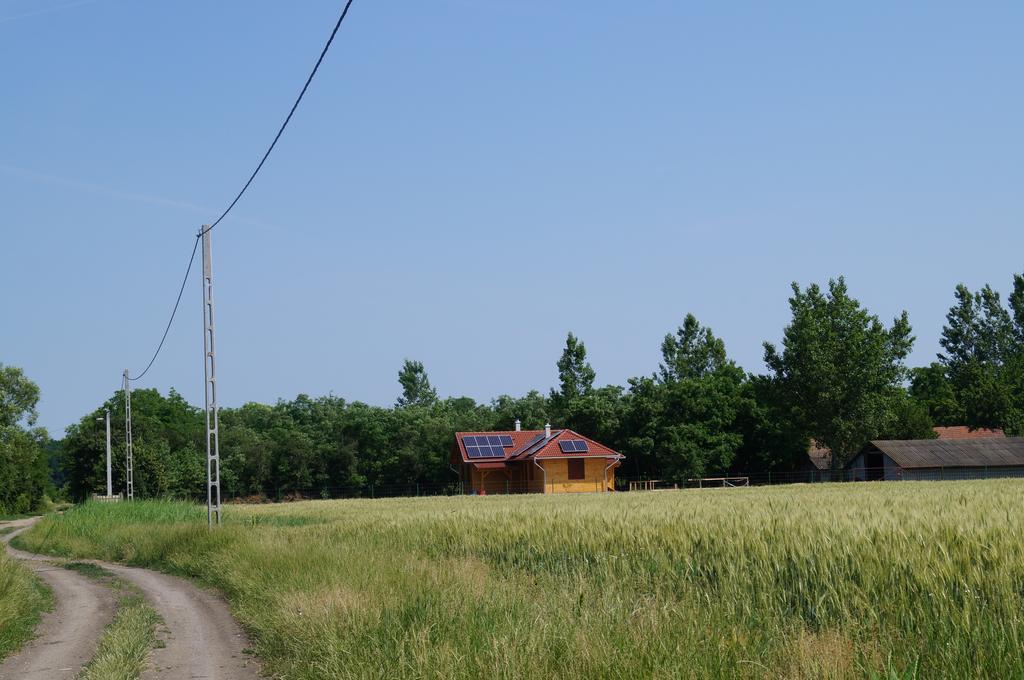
946,458
533,461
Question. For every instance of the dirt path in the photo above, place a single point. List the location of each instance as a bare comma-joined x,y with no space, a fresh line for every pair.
66,637
200,638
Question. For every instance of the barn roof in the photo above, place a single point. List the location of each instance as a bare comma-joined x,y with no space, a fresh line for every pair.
931,453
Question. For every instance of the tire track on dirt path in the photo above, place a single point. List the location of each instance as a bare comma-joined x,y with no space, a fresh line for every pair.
203,640
200,638
66,637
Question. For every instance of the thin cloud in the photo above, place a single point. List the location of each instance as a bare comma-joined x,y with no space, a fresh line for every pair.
101,190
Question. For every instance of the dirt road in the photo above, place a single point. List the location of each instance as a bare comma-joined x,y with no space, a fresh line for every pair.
200,638
67,636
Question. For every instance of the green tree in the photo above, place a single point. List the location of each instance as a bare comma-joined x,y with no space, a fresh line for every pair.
575,378
983,356
599,414
18,397
840,370
24,469
772,441
693,352
930,386
532,411
682,422
416,389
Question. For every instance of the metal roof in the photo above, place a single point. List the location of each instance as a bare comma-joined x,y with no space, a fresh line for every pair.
931,453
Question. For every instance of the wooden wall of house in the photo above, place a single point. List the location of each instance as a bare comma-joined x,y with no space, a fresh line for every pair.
594,476
557,472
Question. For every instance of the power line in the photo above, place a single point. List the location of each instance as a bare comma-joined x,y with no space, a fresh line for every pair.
316,67
174,311
263,160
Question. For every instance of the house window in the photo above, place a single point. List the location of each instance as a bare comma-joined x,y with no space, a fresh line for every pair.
577,468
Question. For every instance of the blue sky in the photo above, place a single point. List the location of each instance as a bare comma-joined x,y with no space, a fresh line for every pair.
468,180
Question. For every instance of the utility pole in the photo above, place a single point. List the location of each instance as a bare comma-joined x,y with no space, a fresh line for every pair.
210,386
110,490
110,486
129,466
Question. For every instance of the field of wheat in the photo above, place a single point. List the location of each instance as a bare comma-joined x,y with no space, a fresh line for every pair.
848,580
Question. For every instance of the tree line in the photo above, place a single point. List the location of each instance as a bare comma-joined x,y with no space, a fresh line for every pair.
25,474
838,378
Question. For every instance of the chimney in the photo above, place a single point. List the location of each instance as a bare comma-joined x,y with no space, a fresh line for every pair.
547,431
519,425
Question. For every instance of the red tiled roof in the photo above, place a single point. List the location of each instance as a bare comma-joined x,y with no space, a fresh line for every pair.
529,444
964,432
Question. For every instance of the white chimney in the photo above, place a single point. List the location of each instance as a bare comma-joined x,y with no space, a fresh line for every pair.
519,425
547,431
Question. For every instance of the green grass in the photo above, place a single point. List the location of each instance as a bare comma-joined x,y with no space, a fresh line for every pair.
23,599
124,646
837,581
11,518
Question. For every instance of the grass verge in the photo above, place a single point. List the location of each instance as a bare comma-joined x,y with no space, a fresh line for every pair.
825,581
23,599
124,646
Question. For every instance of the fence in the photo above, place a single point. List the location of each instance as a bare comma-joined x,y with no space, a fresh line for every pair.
858,474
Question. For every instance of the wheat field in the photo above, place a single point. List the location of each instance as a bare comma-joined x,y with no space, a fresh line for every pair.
818,581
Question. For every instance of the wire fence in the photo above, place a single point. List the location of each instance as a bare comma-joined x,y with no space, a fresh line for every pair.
854,474
628,485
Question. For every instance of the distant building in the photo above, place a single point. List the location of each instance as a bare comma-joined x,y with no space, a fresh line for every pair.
819,458
946,458
533,461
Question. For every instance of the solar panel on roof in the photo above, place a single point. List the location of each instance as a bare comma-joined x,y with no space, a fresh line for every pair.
493,440
573,446
506,440
481,446
485,452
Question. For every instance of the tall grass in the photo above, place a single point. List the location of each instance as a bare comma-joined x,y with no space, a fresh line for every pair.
913,579
23,598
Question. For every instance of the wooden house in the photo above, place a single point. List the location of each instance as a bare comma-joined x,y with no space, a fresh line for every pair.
533,461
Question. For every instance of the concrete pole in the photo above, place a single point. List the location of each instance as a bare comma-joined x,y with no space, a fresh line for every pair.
128,462
110,486
210,389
